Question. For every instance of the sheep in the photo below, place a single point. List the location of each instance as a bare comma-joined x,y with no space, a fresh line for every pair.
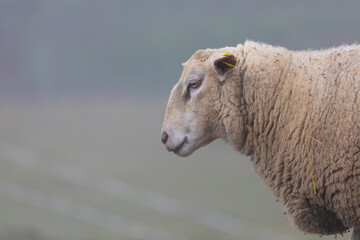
296,113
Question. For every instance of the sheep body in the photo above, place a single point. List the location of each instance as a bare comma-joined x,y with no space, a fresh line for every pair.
299,100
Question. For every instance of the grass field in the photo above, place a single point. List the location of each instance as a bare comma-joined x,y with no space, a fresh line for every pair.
98,171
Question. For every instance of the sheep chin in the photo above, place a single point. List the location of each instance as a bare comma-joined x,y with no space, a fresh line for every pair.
185,149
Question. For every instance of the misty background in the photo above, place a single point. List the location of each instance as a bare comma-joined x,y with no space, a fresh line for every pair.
83,90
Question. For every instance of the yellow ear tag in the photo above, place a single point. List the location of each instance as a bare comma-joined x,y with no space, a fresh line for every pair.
226,54
229,64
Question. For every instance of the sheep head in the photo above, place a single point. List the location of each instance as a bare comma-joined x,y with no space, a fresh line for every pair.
192,116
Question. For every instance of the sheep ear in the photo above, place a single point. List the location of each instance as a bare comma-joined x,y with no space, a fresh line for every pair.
224,64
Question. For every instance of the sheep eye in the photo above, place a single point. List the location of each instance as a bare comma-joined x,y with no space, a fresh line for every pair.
195,84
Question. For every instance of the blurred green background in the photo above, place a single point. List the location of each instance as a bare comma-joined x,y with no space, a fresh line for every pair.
83,90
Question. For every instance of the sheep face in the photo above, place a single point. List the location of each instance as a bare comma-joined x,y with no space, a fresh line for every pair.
192,117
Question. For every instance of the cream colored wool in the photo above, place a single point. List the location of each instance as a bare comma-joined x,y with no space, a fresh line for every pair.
266,107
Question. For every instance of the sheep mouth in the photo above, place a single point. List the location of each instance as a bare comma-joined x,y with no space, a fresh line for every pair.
180,147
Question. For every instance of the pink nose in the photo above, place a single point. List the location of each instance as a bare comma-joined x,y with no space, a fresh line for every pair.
164,137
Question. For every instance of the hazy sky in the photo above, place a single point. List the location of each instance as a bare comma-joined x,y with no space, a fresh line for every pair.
56,49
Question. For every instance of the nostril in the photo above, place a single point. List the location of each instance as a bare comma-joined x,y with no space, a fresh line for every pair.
164,137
